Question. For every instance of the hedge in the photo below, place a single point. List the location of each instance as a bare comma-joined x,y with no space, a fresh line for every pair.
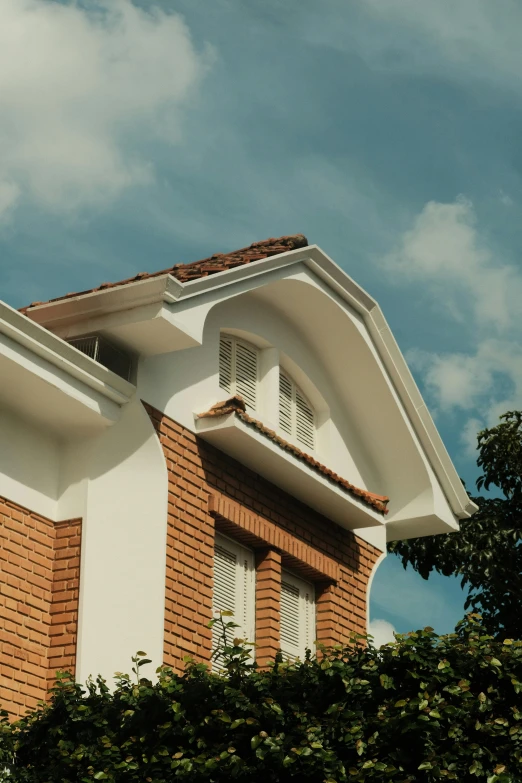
427,708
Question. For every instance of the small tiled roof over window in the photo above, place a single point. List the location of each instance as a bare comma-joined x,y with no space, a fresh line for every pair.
237,406
219,262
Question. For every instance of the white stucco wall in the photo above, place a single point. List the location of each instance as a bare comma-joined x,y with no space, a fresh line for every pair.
29,464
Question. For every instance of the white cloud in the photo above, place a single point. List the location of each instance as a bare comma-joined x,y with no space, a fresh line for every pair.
78,87
382,632
446,253
468,437
489,379
445,248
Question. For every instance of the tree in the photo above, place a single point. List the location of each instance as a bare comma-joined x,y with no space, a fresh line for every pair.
425,709
487,552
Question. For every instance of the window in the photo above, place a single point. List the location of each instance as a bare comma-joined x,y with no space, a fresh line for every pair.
297,616
234,589
296,416
238,368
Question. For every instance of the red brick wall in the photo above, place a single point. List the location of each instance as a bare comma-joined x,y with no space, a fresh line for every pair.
209,490
39,585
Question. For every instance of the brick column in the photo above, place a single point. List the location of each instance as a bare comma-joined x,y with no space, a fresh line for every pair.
327,614
64,601
268,602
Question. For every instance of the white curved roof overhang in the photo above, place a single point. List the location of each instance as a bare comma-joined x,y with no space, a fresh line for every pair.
161,314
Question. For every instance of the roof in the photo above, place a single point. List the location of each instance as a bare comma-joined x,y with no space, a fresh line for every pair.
236,405
219,262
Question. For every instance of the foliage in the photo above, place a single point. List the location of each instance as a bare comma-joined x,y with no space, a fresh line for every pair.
487,553
427,708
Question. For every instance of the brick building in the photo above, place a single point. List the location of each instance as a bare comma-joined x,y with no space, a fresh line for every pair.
237,433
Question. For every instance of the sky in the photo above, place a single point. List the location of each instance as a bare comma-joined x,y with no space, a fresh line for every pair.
136,135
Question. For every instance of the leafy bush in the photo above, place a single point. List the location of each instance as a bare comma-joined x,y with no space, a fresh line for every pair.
427,708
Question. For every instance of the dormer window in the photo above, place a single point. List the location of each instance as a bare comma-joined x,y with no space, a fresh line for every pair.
296,415
239,368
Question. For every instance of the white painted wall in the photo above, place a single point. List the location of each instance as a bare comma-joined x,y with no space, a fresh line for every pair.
122,588
29,464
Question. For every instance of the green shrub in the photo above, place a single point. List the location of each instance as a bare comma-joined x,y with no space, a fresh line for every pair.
427,708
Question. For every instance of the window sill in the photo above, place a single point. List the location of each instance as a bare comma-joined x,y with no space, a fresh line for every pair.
238,439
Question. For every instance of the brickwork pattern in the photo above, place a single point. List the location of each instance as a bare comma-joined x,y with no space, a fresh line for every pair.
202,482
268,602
39,587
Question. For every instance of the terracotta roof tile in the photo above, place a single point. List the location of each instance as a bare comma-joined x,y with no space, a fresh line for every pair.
219,262
237,406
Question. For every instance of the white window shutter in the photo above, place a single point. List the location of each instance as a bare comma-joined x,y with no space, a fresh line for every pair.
225,364
238,369
234,591
285,403
304,421
290,620
246,373
297,616
296,416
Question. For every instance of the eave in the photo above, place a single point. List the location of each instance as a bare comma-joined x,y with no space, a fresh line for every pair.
48,381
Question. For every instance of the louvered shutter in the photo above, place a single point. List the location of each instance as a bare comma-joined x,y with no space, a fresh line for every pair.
234,590
304,421
285,403
297,616
296,416
225,364
238,369
290,620
246,373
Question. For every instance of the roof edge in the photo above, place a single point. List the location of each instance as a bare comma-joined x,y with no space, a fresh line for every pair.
63,356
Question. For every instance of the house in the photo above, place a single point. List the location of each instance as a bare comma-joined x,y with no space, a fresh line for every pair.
237,433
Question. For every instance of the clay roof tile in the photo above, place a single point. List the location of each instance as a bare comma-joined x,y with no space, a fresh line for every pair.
218,262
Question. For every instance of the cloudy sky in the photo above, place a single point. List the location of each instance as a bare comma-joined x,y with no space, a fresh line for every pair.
134,135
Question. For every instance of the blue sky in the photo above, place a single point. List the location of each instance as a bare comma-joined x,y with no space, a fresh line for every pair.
138,135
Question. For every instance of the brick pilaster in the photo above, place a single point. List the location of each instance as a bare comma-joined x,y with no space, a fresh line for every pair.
268,602
39,587
327,615
63,628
